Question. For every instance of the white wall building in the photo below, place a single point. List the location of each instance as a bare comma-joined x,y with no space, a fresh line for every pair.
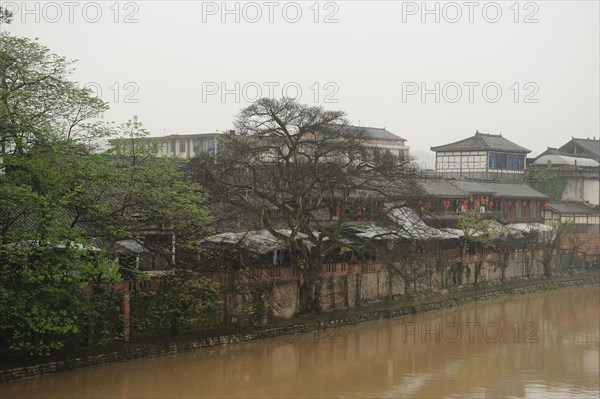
177,145
486,156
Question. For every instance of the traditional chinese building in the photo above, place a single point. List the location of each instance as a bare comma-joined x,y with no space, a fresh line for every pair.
482,156
509,202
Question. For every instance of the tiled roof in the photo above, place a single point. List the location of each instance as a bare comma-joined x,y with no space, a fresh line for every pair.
382,134
551,151
586,146
443,188
374,133
447,188
572,207
483,142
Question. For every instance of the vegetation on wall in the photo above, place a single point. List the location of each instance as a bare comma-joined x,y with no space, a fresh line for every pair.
547,181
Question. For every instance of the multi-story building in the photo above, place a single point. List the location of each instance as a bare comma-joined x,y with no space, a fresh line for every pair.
177,145
381,138
484,174
482,156
577,163
190,145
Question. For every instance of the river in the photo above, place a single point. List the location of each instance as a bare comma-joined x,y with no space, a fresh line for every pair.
538,345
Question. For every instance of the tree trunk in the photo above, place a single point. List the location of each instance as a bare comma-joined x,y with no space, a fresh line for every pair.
461,267
478,268
547,269
310,289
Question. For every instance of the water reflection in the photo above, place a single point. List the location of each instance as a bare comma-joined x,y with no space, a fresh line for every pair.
537,345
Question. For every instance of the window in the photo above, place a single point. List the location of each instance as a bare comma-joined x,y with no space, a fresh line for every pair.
497,160
211,144
515,162
198,145
173,146
182,146
532,210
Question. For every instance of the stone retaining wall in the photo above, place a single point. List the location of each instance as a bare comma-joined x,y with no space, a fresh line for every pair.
425,305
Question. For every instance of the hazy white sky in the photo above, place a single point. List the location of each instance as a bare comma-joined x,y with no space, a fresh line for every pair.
527,70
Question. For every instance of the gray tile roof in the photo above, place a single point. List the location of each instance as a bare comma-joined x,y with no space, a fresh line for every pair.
551,151
374,133
447,188
382,134
483,142
583,147
443,188
572,207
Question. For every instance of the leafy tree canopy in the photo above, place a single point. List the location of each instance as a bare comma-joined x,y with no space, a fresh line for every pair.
62,206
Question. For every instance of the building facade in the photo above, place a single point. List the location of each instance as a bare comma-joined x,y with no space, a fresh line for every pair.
447,200
389,142
176,145
190,145
483,156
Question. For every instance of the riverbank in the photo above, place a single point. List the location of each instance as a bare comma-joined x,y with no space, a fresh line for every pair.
300,325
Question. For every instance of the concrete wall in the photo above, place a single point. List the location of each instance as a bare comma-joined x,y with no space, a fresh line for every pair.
582,189
347,290
346,286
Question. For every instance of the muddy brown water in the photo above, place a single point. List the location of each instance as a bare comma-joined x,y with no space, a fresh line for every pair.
539,345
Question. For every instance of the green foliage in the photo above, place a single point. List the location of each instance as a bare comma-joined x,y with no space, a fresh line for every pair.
185,302
416,309
151,189
412,296
103,320
62,207
42,297
39,106
548,182
475,230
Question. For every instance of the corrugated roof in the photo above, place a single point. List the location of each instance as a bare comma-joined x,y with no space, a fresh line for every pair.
566,160
529,227
260,241
483,142
408,220
405,224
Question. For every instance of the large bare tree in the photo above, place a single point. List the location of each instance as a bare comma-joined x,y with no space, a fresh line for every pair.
303,172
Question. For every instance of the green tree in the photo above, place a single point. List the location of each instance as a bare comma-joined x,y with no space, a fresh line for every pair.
185,302
39,105
42,299
62,206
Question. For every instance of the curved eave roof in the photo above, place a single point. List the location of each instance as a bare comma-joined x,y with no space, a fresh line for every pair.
482,142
